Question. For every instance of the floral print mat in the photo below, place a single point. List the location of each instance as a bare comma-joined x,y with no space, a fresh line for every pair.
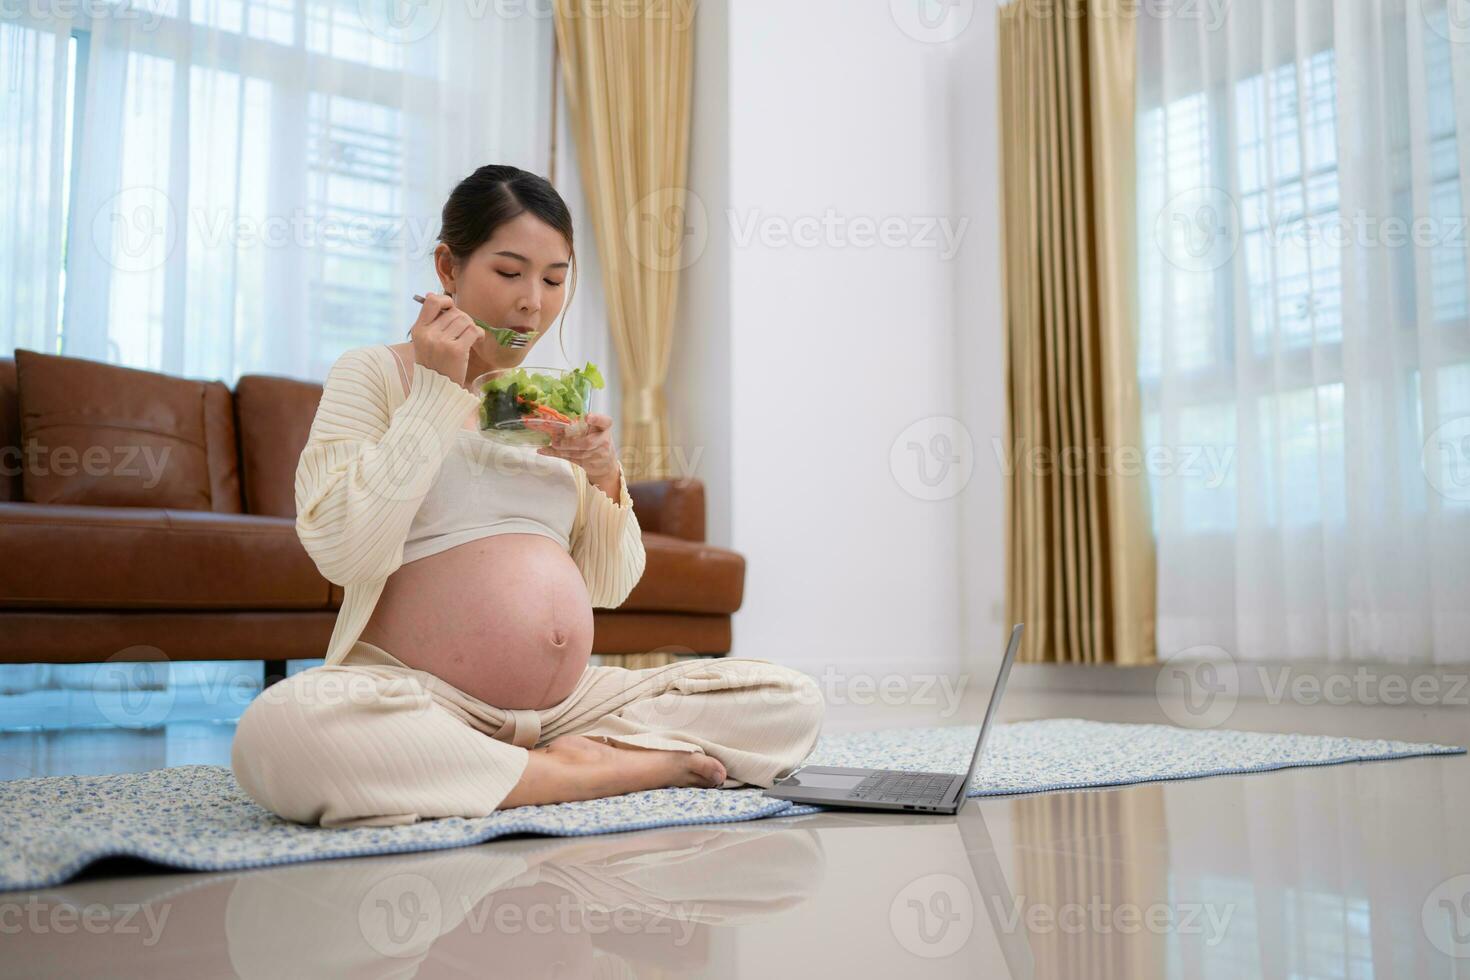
197,818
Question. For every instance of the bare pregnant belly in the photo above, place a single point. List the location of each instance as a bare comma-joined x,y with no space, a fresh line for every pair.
506,619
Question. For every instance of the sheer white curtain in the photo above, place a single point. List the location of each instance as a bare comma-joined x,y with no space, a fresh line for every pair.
229,186
218,187
1305,352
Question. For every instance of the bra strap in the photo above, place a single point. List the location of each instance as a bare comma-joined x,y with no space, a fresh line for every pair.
403,368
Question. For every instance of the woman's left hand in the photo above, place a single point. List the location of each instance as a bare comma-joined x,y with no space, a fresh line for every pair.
590,447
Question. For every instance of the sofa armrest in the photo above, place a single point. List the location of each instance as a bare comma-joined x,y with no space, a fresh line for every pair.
672,507
687,577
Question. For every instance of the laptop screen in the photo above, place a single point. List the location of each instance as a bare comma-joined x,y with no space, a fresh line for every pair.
995,695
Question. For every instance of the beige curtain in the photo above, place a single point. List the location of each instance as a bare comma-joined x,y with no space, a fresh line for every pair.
1122,867
1080,559
627,72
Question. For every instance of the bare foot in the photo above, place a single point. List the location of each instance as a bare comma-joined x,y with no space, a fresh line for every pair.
575,767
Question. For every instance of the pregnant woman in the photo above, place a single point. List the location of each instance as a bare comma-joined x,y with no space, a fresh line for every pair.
457,679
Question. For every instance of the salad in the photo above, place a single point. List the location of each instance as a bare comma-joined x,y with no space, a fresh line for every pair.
511,398
503,335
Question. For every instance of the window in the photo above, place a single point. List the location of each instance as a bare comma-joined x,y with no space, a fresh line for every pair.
1257,340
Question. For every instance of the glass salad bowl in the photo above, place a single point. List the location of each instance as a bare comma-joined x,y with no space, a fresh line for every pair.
523,406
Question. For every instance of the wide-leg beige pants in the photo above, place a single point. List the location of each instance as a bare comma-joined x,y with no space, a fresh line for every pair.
374,742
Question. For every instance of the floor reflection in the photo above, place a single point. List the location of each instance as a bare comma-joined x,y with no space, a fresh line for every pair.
1350,871
613,905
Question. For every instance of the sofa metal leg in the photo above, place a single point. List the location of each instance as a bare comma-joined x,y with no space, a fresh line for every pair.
275,670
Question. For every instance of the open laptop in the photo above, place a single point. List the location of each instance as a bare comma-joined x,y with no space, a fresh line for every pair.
891,789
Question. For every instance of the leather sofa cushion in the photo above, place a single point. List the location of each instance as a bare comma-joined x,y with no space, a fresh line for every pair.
10,458
687,577
275,416
108,436
81,557
673,507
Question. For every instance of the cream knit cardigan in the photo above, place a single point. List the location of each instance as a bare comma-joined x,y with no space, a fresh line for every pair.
371,456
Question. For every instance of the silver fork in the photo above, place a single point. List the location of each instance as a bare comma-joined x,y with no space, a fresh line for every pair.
504,336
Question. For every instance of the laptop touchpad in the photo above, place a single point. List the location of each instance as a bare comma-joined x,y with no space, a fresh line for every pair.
823,780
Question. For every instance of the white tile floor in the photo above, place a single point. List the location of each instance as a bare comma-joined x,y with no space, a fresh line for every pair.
1346,871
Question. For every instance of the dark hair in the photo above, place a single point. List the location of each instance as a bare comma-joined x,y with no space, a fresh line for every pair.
495,194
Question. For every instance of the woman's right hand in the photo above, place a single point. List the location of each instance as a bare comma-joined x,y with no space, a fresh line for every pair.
443,336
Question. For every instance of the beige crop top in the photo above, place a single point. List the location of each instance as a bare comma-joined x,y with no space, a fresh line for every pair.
485,488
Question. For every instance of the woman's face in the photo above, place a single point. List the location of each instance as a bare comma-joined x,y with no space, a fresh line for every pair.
517,279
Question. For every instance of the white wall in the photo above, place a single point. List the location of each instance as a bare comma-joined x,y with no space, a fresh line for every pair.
798,366
699,389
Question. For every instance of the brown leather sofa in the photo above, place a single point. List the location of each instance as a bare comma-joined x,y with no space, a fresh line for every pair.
217,572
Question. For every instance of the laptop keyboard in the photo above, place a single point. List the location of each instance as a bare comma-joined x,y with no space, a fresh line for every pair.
902,787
